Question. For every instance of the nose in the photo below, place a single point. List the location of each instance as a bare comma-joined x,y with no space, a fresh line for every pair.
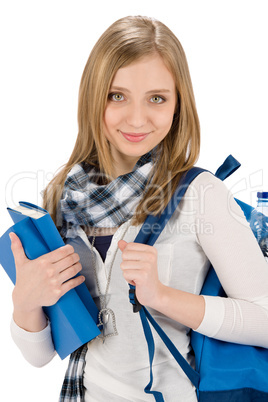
136,115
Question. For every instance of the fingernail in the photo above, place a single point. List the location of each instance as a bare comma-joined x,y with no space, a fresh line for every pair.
11,234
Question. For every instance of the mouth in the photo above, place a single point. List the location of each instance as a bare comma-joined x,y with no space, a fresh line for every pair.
134,137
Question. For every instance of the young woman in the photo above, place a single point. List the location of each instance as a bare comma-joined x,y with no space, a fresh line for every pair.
138,133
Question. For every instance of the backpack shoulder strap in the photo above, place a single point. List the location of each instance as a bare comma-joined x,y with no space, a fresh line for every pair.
154,225
148,234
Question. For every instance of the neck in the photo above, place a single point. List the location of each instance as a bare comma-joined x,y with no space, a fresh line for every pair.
126,165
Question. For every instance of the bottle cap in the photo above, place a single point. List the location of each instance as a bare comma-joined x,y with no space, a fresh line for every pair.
263,195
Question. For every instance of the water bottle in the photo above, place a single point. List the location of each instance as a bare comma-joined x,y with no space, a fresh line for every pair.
259,222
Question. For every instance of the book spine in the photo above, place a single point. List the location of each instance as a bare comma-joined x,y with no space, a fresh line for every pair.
49,232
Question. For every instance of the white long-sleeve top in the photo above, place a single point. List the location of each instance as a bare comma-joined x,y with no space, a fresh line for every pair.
207,226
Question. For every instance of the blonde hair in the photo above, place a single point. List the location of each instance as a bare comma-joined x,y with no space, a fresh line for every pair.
124,42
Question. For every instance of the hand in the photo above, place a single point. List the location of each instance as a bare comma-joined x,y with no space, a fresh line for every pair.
139,266
41,282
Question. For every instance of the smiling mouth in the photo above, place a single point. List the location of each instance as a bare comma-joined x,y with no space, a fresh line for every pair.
134,137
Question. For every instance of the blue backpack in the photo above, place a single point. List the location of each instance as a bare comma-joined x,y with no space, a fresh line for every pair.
225,372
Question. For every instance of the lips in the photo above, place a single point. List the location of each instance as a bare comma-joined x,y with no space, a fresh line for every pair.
134,137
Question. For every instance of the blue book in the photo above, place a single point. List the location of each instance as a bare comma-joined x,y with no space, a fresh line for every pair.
74,317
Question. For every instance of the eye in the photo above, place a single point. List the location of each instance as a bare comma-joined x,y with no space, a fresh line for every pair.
157,99
116,97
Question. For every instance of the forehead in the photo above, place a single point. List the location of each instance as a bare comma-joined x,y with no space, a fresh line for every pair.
148,71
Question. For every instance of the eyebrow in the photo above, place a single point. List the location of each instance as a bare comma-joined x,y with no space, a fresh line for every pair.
153,91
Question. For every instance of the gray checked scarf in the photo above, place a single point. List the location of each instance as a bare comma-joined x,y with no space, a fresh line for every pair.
84,202
87,203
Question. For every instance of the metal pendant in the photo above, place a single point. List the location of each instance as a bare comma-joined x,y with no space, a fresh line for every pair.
104,316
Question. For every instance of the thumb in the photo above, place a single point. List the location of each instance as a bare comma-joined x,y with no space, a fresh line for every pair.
122,245
17,249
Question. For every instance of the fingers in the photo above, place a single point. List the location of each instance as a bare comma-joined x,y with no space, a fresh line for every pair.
65,265
131,265
139,267
17,249
70,272
64,256
68,279
66,262
59,254
71,284
138,252
139,262
122,244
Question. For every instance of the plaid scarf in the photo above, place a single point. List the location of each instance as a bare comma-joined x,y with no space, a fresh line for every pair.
72,387
86,203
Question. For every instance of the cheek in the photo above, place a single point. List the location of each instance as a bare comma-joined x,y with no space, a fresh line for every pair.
164,121
111,118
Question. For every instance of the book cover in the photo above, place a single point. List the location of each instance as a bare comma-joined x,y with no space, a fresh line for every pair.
74,317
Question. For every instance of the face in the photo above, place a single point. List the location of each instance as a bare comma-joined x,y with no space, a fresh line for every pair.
139,111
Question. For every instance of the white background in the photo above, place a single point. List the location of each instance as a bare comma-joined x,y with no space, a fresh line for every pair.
44,47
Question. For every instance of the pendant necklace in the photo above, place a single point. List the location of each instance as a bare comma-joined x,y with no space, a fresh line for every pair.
105,313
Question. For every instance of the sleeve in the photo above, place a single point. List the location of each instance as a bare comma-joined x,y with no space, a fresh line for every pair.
36,347
232,249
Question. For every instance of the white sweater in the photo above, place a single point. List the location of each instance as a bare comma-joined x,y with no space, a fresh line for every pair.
207,226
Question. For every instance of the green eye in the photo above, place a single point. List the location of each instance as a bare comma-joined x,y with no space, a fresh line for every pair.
116,97
157,99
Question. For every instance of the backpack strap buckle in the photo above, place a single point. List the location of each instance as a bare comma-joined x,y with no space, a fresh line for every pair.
133,300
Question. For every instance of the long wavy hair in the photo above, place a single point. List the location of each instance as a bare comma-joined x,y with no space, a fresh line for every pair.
124,42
